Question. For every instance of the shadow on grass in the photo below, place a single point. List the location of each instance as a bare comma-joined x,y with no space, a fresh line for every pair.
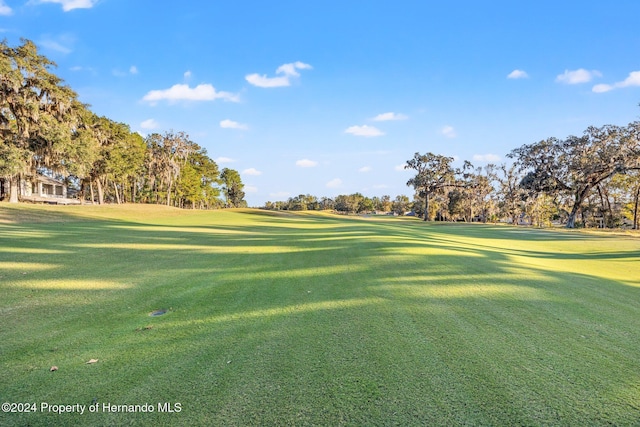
318,320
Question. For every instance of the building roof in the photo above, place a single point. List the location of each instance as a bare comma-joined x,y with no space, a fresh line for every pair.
47,180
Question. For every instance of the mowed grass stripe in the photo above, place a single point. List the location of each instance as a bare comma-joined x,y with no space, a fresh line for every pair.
278,319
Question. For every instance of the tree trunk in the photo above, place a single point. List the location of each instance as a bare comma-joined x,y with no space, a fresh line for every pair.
571,221
81,193
606,205
14,186
426,206
133,192
610,220
93,197
115,189
635,209
100,192
580,196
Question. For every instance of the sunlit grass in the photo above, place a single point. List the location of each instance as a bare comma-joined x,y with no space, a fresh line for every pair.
284,311
196,248
315,319
70,284
466,291
24,267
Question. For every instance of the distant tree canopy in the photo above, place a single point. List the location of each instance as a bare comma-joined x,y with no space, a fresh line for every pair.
594,175
233,188
44,129
37,114
592,180
572,168
434,174
344,203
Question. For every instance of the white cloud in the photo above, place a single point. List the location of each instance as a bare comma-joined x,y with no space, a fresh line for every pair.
290,69
577,76
252,172
79,68
518,74
449,131
389,116
280,194
68,5
632,80
4,9
364,130
486,158
149,124
181,92
380,186
230,124
133,69
250,189
306,163
365,169
287,70
60,44
264,81
601,88
187,75
334,183
222,160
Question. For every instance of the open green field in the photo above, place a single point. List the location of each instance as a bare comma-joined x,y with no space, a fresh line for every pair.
281,319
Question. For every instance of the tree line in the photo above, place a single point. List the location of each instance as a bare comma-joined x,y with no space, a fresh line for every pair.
588,180
346,203
45,129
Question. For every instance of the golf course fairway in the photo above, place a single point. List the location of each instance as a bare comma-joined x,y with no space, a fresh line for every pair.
275,318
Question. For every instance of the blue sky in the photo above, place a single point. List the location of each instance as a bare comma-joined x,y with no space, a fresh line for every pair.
332,97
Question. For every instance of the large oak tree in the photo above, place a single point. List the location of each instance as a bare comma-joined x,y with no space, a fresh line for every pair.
576,165
36,114
433,174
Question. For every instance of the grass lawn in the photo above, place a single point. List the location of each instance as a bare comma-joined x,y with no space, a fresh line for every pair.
301,319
